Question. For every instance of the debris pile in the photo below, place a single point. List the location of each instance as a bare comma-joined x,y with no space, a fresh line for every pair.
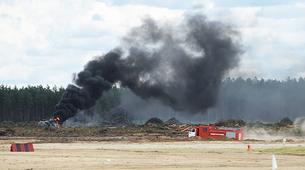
7,132
115,117
173,121
231,123
285,122
120,117
154,122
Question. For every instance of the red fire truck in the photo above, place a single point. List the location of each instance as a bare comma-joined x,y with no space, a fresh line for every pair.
214,132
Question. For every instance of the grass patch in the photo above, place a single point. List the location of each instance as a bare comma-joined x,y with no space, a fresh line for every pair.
298,150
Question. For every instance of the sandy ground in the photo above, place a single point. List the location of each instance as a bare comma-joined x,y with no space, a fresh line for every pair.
215,155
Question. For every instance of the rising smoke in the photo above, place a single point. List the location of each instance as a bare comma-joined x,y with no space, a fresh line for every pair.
180,66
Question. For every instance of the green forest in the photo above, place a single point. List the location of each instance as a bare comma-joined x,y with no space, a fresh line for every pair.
28,103
34,103
248,99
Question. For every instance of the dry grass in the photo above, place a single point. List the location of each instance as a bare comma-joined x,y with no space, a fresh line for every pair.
122,155
298,150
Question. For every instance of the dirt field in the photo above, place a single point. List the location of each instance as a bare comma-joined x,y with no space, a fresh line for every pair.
217,155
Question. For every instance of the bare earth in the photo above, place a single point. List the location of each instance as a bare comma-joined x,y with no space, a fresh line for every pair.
217,155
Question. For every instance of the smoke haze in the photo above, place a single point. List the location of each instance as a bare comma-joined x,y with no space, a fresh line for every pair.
247,99
180,66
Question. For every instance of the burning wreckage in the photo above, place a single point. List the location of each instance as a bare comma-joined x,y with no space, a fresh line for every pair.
180,66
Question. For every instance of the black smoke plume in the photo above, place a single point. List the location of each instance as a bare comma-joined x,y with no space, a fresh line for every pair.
181,66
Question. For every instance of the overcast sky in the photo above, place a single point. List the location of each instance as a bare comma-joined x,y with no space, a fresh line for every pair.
45,42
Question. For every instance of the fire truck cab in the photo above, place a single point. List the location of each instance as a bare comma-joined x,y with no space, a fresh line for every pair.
214,132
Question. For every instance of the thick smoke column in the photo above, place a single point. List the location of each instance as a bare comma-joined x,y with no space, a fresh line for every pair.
180,66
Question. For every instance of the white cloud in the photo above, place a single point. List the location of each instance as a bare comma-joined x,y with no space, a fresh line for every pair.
53,39
272,37
15,70
45,42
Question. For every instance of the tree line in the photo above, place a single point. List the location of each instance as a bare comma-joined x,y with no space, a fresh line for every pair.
239,98
260,99
29,103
